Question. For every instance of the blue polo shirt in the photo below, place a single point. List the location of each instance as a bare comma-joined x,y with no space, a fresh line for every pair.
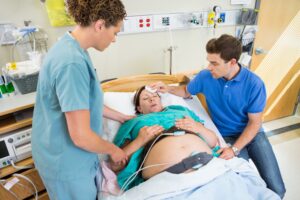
67,82
229,102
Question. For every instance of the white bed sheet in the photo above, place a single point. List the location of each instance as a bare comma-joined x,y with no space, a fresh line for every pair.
196,106
232,179
117,100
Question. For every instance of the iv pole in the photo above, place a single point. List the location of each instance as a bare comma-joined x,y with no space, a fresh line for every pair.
171,49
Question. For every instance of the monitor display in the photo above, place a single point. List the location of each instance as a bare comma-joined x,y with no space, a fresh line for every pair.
3,150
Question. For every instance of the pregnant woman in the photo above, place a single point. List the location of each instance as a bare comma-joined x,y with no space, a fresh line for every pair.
159,138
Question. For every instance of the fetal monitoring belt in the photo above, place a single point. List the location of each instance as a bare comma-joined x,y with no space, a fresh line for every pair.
195,161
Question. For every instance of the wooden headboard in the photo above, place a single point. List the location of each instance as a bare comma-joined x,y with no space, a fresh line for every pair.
132,83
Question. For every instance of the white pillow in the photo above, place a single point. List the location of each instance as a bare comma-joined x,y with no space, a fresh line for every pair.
123,102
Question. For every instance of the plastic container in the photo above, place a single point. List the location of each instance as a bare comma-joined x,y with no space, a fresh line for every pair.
26,84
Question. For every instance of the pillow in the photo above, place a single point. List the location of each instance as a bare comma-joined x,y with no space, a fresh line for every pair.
123,102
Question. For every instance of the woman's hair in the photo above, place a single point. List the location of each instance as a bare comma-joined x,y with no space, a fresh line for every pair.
136,99
227,46
85,12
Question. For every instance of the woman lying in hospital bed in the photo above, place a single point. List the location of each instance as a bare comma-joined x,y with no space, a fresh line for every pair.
166,151
144,140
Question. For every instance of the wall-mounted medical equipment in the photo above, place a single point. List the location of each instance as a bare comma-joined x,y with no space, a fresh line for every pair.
182,20
29,46
6,33
15,146
28,40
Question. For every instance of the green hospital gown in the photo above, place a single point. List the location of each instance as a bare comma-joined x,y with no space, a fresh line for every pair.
130,130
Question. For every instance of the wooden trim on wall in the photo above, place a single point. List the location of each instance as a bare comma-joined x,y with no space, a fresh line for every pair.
295,69
286,105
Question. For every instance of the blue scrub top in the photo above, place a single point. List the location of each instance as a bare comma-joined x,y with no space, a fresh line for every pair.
229,102
67,82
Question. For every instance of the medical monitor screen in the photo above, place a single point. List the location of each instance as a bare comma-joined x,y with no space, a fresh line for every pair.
3,150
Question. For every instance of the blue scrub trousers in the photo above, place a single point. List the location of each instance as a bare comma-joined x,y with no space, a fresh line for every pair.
261,153
75,189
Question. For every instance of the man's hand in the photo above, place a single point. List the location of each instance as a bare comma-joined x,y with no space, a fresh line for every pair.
226,153
147,133
160,87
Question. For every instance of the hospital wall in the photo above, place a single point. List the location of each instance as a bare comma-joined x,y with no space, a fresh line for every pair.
135,53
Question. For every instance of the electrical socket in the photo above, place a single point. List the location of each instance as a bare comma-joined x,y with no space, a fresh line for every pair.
135,24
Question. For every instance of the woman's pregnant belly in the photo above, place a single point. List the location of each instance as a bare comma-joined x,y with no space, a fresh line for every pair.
172,150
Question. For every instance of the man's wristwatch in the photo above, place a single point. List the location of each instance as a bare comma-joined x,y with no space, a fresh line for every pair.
235,150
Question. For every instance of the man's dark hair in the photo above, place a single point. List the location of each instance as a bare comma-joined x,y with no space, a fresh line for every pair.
227,46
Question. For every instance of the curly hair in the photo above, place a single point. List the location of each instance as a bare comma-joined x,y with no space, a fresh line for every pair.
84,12
226,45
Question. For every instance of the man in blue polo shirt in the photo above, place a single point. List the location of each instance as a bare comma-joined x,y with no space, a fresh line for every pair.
236,98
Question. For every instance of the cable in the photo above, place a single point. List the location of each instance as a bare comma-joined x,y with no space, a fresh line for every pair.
27,179
20,167
26,187
14,194
2,181
132,177
149,166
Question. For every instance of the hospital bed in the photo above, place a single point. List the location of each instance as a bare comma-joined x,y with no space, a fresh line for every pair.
208,181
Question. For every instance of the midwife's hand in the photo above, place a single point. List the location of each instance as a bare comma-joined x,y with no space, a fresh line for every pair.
118,156
116,167
226,153
148,133
125,118
189,124
160,87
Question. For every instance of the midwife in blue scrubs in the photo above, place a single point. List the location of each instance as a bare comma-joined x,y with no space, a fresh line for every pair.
67,122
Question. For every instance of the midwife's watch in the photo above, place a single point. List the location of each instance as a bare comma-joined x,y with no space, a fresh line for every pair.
235,150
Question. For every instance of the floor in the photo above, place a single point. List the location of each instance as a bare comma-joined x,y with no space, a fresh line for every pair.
284,135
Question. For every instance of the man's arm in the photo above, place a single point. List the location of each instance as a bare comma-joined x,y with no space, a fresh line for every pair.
82,135
250,131
179,91
176,90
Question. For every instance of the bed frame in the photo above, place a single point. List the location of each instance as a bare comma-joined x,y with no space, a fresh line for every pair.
132,83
